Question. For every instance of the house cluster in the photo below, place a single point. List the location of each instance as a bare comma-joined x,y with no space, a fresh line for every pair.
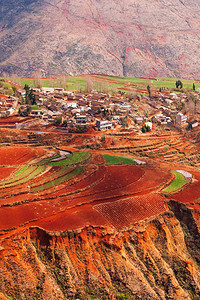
75,110
8,105
164,109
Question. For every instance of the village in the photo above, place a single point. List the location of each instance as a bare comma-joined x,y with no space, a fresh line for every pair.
51,108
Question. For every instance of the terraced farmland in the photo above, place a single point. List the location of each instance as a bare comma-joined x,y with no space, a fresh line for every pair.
59,192
42,189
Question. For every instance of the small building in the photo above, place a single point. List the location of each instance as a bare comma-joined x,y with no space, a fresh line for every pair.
36,113
148,124
139,120
68,104
104,124
180,119
194,123
81,119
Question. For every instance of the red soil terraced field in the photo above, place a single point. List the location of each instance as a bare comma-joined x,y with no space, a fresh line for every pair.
126,211
190,193
33,192
96,195
5,172
18,155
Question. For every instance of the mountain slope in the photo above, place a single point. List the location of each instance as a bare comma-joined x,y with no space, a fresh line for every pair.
130,38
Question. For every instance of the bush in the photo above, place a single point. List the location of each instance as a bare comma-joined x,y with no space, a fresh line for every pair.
145,128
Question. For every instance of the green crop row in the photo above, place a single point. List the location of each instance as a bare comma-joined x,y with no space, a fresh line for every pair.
57,181
63,170
25,179
23,173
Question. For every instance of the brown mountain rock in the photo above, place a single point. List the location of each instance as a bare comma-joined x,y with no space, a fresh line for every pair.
129,37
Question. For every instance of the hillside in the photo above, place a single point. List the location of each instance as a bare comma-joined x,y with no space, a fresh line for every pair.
129,38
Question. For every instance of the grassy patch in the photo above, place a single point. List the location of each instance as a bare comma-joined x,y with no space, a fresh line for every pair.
35,107
57,181
128,161
77,157
118,160
77,83
178,182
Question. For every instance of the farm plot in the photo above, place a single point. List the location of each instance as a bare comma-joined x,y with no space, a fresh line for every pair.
18,155
6,172
57,181
72,219
116,177
112,160
177,183
35,171
121,181
20,175
191,193
84,183
77,157
129,211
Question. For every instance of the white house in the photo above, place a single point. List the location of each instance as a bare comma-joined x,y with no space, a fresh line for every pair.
180,119
149,124
104,124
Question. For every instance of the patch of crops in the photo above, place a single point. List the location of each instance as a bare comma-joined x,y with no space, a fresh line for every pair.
118,160
33,174
57,181
48,159
77,157
178,183
21,170
26,171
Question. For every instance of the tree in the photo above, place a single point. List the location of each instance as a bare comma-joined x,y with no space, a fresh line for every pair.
146,128
37,75
149,91
179,83
189,126
88,84
64,124
30,98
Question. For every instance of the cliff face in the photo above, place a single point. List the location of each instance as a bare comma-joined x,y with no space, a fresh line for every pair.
156,259
130,38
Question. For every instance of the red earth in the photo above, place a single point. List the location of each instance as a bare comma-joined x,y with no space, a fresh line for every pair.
18,155
87,199
5,172
118,195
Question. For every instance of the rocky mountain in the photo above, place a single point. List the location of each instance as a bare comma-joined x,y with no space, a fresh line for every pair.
129,37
